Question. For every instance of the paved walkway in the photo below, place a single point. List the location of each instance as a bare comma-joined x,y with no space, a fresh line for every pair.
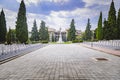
62,62
106,50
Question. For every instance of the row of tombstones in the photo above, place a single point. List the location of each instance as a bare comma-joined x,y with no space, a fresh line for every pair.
115,44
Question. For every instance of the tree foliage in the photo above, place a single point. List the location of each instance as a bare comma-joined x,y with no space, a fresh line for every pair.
118,25
21,24
72,31
106,30
95,33
99,34
3,29
44,36
11,36
112,21
88,32
35,34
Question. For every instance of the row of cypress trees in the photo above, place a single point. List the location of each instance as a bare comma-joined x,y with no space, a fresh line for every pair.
42,35
111,28
21,31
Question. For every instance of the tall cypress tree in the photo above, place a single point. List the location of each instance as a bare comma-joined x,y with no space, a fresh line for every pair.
88,33
118,25
21,24
43,32
112,21
72,31
99,34
35,34
3,29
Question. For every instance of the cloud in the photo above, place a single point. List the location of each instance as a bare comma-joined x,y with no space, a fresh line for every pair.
57,19
101,3
36,2
63,18
10,18
54,19
89,3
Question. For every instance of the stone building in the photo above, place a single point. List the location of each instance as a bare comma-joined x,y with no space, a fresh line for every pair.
54,34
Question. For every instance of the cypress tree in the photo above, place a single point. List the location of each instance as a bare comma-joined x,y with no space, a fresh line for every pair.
118,25
95,33
35,34
13,35
72,31
43,32
21,24
99,34
3,29
88,33
112,21
106,30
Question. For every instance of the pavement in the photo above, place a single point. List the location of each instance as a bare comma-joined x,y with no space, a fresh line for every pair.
62,62
103,49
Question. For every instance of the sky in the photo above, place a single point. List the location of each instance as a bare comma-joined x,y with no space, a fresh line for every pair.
58,13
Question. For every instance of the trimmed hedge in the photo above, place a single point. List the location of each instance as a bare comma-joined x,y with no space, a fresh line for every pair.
77,41
45,41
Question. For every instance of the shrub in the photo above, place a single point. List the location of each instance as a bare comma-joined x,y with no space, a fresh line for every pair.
45,41
77,41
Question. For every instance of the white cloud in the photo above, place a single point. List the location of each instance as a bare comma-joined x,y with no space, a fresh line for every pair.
89,3
63,18
57,19
10,18
59,1
36,2
54,19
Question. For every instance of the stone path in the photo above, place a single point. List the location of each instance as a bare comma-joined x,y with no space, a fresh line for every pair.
62,62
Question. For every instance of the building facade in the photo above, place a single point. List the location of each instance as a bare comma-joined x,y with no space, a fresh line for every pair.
54,34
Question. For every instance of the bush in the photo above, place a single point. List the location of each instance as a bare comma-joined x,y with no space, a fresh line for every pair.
77,41
34,42
81,41
45,41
